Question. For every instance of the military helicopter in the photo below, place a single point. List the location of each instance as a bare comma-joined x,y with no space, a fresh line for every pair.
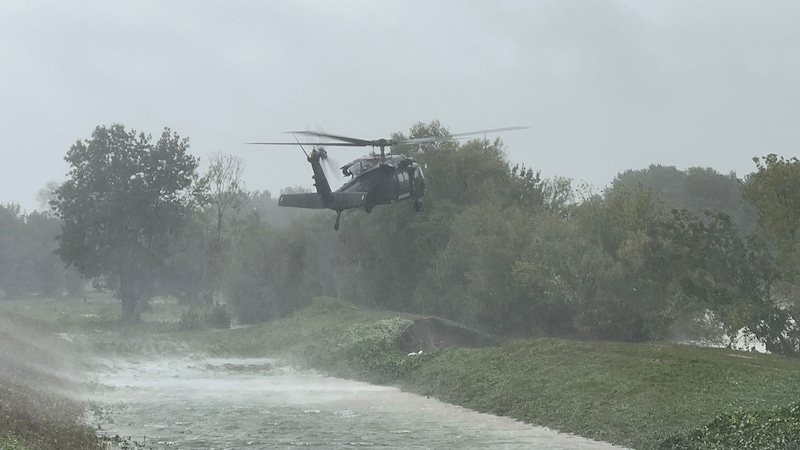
377,179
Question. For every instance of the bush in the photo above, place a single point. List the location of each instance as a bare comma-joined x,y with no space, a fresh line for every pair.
218,316
190,320
368,351
757,430
31,418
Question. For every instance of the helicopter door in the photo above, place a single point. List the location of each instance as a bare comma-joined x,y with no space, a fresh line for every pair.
403,185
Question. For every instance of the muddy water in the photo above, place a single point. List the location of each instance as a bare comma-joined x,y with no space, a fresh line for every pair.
204,403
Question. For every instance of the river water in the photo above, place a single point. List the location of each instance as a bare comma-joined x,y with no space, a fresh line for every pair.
207,403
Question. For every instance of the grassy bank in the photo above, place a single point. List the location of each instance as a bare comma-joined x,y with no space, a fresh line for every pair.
637,395
634,395
35,413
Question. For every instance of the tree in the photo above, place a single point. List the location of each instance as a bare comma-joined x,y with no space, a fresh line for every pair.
695,189
775,191
46,195
599,267
27,263
225,194
125,198
11,251
270,277
719,270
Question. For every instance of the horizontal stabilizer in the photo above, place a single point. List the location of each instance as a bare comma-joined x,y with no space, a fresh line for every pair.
310,200
338,201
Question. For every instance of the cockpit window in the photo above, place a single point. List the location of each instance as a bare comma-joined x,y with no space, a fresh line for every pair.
353,169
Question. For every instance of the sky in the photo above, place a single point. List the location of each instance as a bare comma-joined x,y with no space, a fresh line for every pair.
603,85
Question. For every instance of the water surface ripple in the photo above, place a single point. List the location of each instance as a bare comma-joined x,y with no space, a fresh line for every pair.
207,403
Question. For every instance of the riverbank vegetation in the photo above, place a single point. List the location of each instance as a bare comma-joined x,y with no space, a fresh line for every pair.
641,395
636,395
659,255
36,410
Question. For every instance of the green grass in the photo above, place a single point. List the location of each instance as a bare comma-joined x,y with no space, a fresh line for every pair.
637,395
291,338
771,429
32,415
630,394
11,443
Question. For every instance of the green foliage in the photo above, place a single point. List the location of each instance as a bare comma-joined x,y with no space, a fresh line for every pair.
695,189
125,198
198,317
496,246
218,316
190,319
27,263
271,277
634,395
33,413
10,443
224,194
472,277
598,269
309,331
775,190
367,350
32,419
775,429
717,269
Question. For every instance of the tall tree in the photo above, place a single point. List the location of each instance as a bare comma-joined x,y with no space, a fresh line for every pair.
775,190
124,199
27,263
695,189
225,194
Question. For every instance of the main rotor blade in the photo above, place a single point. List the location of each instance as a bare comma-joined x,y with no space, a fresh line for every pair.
352,141
493,130
355,142
424,140
322,144
456,136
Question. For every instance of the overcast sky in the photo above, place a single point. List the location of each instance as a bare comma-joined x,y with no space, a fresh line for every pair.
604,86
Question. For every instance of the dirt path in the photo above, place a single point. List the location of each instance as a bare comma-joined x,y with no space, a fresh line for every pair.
203,403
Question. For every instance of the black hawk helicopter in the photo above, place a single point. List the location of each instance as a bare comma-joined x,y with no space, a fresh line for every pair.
374,180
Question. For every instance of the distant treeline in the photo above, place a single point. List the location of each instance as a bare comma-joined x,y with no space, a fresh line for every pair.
661,251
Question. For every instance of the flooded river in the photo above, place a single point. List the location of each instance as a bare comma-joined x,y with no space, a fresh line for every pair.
204,403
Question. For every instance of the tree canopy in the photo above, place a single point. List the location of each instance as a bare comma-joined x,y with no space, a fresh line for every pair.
496,247
126,196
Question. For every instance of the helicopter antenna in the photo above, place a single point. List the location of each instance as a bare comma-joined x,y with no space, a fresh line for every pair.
301,145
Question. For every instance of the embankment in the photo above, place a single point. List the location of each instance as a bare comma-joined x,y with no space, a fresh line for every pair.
636,395
36,370
642,396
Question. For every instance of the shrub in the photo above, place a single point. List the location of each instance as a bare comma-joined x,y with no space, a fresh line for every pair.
757,430
218,316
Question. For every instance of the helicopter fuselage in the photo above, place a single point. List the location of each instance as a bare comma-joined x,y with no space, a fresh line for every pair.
385,180
373,181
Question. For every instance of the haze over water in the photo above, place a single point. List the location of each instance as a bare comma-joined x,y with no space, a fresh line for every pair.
200,403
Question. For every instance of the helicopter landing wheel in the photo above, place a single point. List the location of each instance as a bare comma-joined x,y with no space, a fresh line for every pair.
368,209
417,205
